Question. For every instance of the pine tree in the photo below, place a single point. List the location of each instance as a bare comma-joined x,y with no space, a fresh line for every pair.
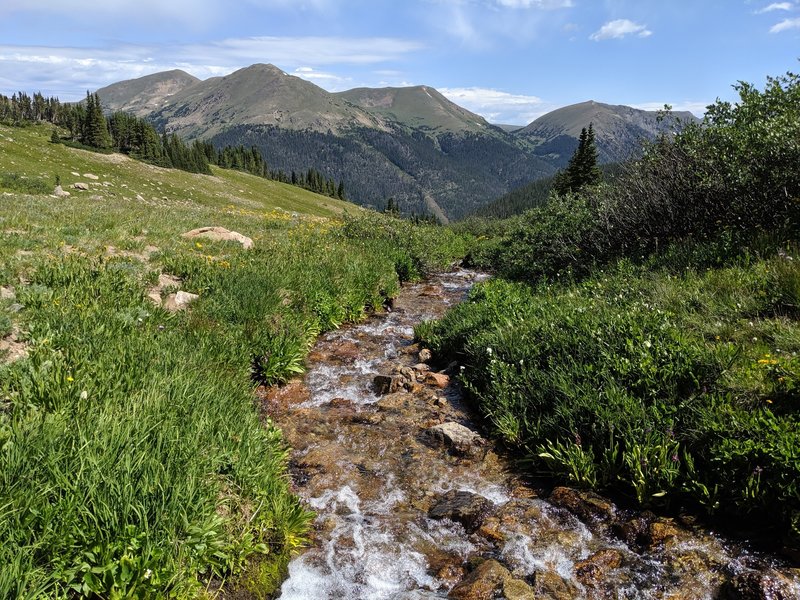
582,170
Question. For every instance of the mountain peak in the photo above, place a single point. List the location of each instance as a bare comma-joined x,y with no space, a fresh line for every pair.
143,95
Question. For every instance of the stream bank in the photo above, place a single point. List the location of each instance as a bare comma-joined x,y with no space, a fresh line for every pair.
414,503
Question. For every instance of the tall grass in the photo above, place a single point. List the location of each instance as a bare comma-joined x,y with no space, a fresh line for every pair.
132,459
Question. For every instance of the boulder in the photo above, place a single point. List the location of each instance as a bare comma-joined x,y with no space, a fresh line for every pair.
462,507
550,585
80,186
219,234
179,301
60,193
454,435
440,380
483,583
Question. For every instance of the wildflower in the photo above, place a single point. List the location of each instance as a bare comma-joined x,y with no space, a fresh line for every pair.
148,573
675,458
84,395
70,378
198,245
647,344
769,401
489,351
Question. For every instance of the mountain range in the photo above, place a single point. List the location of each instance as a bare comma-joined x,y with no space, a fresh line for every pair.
409,143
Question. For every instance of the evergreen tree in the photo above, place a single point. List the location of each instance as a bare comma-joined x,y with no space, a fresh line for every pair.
582,170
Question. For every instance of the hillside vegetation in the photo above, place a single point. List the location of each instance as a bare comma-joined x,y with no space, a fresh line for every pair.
133,462
643,336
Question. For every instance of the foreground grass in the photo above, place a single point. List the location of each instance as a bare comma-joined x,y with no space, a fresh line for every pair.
669,388
132,460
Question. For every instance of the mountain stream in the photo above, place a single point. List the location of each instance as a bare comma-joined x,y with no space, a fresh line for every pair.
414,503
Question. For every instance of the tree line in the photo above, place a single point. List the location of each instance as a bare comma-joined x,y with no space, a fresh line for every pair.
89,127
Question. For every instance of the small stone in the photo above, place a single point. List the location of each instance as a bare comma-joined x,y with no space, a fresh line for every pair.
386,384
7,293
440,380
517,589
594,570
550,585
16,307
179,301
660,532
425,355
585,505
91,176
155,298
139,197
80,186
421,368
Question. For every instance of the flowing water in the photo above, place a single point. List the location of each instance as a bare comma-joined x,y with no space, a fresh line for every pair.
366,460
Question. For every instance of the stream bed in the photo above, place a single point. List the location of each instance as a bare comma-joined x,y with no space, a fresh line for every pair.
414,503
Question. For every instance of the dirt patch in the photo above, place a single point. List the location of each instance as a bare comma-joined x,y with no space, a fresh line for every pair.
12,348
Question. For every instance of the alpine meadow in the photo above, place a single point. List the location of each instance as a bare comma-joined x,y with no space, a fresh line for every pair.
328,333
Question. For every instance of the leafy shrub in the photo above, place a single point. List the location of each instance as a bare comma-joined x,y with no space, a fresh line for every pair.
644,383
15,182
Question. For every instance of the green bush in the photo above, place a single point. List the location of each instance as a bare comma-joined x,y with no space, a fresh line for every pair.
667,389
14,182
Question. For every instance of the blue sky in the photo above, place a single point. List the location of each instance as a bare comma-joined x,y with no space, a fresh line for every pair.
509,60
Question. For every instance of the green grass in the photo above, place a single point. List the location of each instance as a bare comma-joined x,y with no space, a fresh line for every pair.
671,389
133,462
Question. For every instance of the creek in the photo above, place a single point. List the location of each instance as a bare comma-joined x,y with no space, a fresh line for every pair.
413,501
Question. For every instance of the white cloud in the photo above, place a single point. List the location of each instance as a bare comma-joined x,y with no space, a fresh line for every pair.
330,81
785,25
69,71
497,106
543,4
776,6
620,28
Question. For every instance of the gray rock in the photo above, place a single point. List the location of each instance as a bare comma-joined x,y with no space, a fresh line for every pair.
91,176
453,435
179,301
60,193
219,234
80,186
7,293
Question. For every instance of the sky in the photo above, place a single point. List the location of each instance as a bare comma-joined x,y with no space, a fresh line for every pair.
507,60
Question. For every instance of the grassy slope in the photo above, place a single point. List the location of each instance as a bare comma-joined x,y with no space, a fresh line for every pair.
132,461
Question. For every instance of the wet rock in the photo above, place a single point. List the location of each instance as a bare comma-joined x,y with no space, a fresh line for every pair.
347,351
417,595
411,349
461,439
80,186
440,380
483,583
367,418
179,301
758,585
594,570
342,403
517,589
219,234
394,402
462,507
387,384
660,532
550,585
635,532
421,368
425,355
277,399
490,529
585,505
